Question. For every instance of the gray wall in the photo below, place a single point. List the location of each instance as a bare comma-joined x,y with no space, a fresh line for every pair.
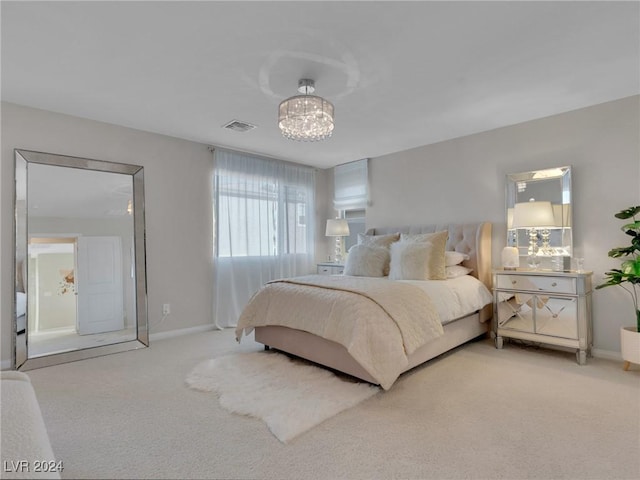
178,208
459,180
464,180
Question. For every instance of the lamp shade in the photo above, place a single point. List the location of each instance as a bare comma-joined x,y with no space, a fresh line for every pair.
533,215
561,212
337,227
306,117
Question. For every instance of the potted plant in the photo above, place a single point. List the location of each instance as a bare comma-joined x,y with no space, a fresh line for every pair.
628,277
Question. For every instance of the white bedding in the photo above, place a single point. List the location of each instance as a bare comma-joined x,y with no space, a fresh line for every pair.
456,297
378,321
355,312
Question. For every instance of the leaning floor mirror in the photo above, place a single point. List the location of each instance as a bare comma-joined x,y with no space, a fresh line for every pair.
80,275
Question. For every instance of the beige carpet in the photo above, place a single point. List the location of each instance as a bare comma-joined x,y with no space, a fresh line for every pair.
476,413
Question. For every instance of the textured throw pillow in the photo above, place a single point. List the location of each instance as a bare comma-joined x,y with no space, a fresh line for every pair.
457,271
439,239
416,261
454,258
439,242
378,240
367,261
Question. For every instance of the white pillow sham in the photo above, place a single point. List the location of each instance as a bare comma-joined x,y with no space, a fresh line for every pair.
378,240
416,261
455,271
367,261
454,258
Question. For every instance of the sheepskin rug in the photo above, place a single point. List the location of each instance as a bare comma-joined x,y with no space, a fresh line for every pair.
289,395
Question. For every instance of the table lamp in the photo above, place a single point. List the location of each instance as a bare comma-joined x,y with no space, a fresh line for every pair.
338,228
534,216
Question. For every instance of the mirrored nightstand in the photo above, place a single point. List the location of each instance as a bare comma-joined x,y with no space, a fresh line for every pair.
544,306
329,268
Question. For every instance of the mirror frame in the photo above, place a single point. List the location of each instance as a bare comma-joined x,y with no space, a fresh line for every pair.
563,175
20,340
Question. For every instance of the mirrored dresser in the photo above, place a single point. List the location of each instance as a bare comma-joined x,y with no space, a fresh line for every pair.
544,306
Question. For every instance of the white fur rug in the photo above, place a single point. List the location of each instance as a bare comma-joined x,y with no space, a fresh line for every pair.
290,396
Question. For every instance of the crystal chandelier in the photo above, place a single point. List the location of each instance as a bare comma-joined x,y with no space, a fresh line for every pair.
306,117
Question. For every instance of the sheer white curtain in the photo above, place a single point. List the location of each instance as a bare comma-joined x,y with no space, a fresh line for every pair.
263,227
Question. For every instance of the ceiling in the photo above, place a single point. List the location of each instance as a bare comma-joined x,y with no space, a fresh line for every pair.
400,74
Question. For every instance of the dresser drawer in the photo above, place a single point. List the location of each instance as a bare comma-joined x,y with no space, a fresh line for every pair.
537,283
327,269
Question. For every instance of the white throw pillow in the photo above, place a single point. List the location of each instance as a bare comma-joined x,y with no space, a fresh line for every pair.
416,261
457,271
454,258
367,261
378,240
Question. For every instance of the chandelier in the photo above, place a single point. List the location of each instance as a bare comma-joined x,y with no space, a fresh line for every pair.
306,117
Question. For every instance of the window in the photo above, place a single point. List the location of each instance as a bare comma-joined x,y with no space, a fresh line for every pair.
351,186
262,212
356,221
262,229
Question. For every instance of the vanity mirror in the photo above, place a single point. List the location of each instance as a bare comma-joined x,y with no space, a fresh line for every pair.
539,215
80,279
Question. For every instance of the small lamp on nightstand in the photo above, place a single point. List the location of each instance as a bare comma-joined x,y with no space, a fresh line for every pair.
533,216
338,228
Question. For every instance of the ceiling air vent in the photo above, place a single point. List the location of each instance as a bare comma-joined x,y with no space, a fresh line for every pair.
238,126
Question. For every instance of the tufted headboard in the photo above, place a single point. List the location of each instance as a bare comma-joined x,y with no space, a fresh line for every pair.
474,239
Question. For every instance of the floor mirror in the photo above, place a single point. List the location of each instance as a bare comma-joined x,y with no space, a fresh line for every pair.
80,275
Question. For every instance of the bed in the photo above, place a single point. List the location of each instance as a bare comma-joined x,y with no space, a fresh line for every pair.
303,316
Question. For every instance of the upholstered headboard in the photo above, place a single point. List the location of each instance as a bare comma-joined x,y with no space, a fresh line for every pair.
474,239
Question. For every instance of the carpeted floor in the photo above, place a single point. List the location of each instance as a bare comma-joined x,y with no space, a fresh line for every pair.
475,413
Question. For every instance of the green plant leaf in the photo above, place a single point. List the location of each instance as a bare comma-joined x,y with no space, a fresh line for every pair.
628,213
621,251
631,267
629,271
615,277
631,229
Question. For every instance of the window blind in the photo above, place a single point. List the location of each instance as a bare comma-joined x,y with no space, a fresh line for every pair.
351,186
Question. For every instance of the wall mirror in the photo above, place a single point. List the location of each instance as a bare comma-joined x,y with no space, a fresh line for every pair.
539,215
80,275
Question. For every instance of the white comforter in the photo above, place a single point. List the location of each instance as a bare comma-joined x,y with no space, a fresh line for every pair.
378,321
456,297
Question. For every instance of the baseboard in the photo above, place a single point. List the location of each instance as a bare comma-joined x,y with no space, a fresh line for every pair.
606,354
179,332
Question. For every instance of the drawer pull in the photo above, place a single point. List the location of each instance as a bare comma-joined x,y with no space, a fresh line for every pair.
554,284
513,282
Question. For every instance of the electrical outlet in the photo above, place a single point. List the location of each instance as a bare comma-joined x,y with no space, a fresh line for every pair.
166,309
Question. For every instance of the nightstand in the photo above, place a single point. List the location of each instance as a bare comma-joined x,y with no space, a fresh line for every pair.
544,306
330,268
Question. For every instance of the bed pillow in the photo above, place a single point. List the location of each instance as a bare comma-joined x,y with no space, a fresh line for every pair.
367,261
454,258
455,271
439,241
416,261
378,240
437,238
